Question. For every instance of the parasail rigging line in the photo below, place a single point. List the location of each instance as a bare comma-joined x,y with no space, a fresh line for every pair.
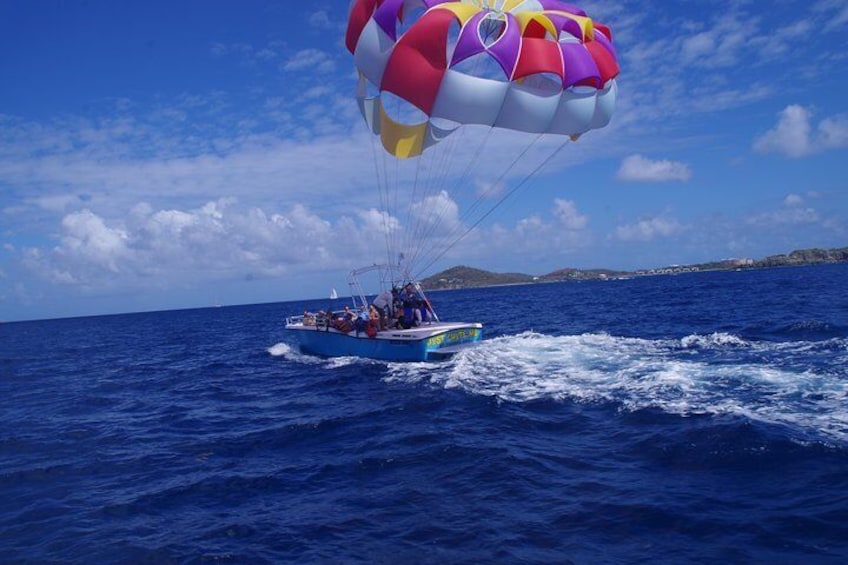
426,222
495,207
383,193
454,236
439,215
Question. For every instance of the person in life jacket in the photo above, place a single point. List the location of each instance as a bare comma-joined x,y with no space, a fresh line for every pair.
374,322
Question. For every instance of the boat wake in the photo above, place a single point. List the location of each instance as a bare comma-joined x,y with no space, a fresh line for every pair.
788,384
292,353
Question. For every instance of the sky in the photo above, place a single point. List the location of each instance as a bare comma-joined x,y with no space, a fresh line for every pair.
159,155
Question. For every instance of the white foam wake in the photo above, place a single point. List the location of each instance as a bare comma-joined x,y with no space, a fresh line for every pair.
716,374
292,353
280,349
718,339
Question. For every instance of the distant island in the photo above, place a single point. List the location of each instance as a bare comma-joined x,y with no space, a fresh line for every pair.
468,277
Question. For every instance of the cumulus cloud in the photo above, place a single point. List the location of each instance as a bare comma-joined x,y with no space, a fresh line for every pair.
569,218
795,136
833,132
535,236
438,211
648,229
378,220
87,238
217,240
791,135
223,240
637,168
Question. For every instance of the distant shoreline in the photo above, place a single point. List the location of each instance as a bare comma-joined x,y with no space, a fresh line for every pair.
468,277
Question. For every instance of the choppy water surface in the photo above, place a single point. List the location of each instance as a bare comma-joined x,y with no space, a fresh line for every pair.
687,418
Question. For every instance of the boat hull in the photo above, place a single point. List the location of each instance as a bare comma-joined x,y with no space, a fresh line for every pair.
425,343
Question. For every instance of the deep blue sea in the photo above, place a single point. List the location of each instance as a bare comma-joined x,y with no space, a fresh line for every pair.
692,418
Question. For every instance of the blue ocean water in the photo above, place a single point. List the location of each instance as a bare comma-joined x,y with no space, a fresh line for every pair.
692,418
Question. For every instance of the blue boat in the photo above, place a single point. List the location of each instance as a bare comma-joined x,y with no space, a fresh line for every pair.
428,343
422,337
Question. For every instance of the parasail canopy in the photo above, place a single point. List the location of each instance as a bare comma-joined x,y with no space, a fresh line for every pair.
538,66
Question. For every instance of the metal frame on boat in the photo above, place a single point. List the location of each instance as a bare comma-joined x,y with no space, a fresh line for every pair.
430,340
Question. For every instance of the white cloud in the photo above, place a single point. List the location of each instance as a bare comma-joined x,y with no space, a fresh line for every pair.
313,59
486,189
648,229
217,240
320,19
266,54
534,237
833,132
793,200
56,202
835,11
566,213
378,221
86,238
247,54
788,216
637,168
317,92
698,46
793,136
793,213
436,211
222,240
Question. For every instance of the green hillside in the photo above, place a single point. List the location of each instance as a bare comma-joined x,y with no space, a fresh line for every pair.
468,277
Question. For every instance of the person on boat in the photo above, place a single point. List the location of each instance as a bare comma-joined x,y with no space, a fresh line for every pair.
403,321
360,321
384,304
308,318
424,315
374,322
410,306
343,323
374,316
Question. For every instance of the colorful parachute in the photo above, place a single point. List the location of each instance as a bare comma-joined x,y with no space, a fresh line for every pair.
556,67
